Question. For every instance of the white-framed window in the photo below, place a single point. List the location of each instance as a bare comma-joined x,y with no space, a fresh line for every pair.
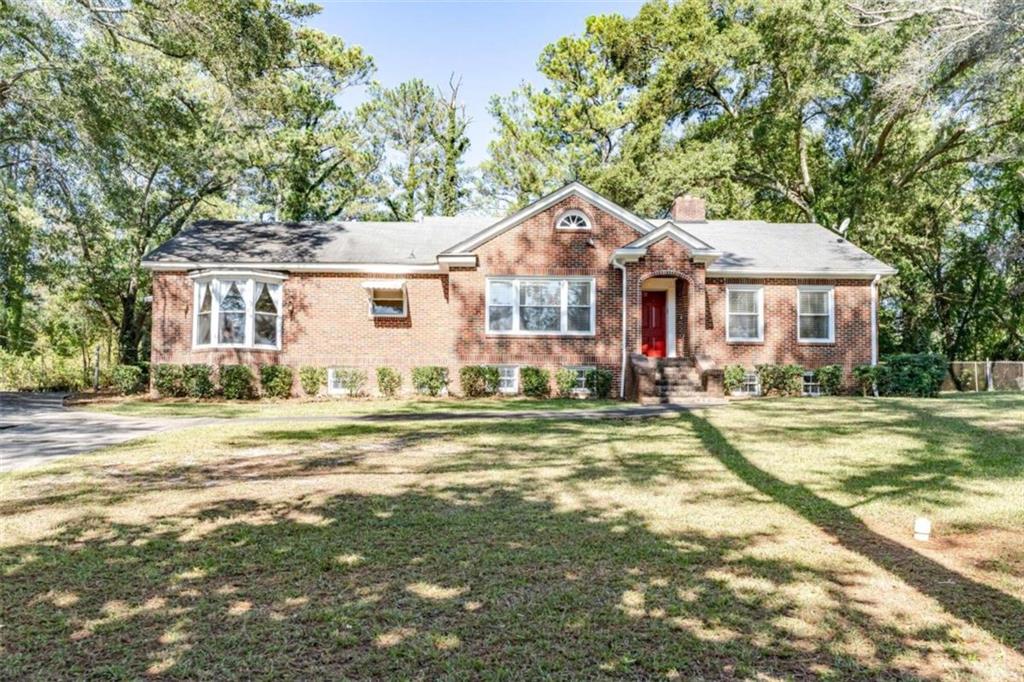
508,379
540,306
815,314
581,378
744,313
237,310
751,384
387,303
811,385
573,220
334,386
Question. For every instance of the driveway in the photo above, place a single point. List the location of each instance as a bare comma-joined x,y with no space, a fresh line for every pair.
37,428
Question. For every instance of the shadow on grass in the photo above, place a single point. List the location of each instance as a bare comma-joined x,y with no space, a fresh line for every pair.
1000,614
464,582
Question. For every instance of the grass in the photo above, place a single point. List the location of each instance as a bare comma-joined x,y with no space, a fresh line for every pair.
766,539
232,409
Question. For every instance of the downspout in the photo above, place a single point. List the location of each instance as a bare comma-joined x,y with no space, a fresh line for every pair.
622,367
874,319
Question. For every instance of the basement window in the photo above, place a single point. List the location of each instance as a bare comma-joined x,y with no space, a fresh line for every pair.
811,386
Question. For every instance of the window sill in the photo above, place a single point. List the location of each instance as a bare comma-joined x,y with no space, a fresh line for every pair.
530,335
263,349
813,342
746,342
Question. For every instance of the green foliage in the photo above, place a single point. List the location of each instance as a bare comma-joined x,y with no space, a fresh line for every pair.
168,380
430,380
868,377
352,381
599,383
479,380
733,378
237,382
535,382
49,373
830,378
126,379
389,381
197,380
780,379
914,374
276,381
565,382
312,379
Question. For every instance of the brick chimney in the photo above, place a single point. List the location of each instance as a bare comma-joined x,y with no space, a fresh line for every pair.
688,208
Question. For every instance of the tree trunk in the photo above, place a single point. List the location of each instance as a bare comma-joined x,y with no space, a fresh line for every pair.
130,330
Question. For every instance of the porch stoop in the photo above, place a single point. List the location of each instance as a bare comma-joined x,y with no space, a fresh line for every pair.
660,381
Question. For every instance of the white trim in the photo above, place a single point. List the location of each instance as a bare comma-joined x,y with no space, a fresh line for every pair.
668,285
759,289
831,291
393,284
584,391
573,188
457,259
795,274
515,379
236,274
622,366
573,212
361,268
248,282
874,319
563,329
676,233
388,286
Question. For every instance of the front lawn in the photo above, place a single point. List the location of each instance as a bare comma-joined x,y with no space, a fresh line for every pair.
767,539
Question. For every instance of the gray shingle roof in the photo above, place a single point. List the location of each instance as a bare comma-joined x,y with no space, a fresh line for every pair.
252,243
755,246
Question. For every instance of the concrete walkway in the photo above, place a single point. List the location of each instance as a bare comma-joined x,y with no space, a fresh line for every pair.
37,428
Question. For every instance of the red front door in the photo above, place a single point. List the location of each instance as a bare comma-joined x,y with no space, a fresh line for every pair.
652,336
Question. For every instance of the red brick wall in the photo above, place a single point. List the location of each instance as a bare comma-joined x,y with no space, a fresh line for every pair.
327,322
852,344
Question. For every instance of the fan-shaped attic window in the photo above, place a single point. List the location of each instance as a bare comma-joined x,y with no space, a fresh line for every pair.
573,220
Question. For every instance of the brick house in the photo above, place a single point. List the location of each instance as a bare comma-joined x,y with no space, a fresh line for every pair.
573,280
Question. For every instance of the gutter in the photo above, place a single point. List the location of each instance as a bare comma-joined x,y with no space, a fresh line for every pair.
622,367
874,319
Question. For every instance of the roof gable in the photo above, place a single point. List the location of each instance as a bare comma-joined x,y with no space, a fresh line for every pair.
477,240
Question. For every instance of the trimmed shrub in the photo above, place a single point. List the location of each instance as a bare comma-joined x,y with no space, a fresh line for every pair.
430,380
352,381
237,382
276,381
536,382
565,382
197,380
599,383
168,380
830,378
312,379
781,379
914,374
867,377
126,379
479,380
389,381
733,378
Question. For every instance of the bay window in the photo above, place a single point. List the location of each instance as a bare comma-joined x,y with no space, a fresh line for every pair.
744,311
815,314
540,305
237,310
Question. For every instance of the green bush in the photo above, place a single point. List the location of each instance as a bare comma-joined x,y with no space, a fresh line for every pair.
565,382
352,381
830,378
276,381
479,380
312,379
237,382
168,380
867,377
389,381
536,382
781,379
733,378
126,379
914,374
430,380
197,380
42,373
599,383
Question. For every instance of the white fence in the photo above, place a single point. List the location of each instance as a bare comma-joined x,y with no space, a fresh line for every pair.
981,375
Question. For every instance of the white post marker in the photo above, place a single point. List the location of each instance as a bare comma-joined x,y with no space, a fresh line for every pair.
922,528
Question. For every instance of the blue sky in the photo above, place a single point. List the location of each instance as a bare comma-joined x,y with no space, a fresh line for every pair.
493,45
